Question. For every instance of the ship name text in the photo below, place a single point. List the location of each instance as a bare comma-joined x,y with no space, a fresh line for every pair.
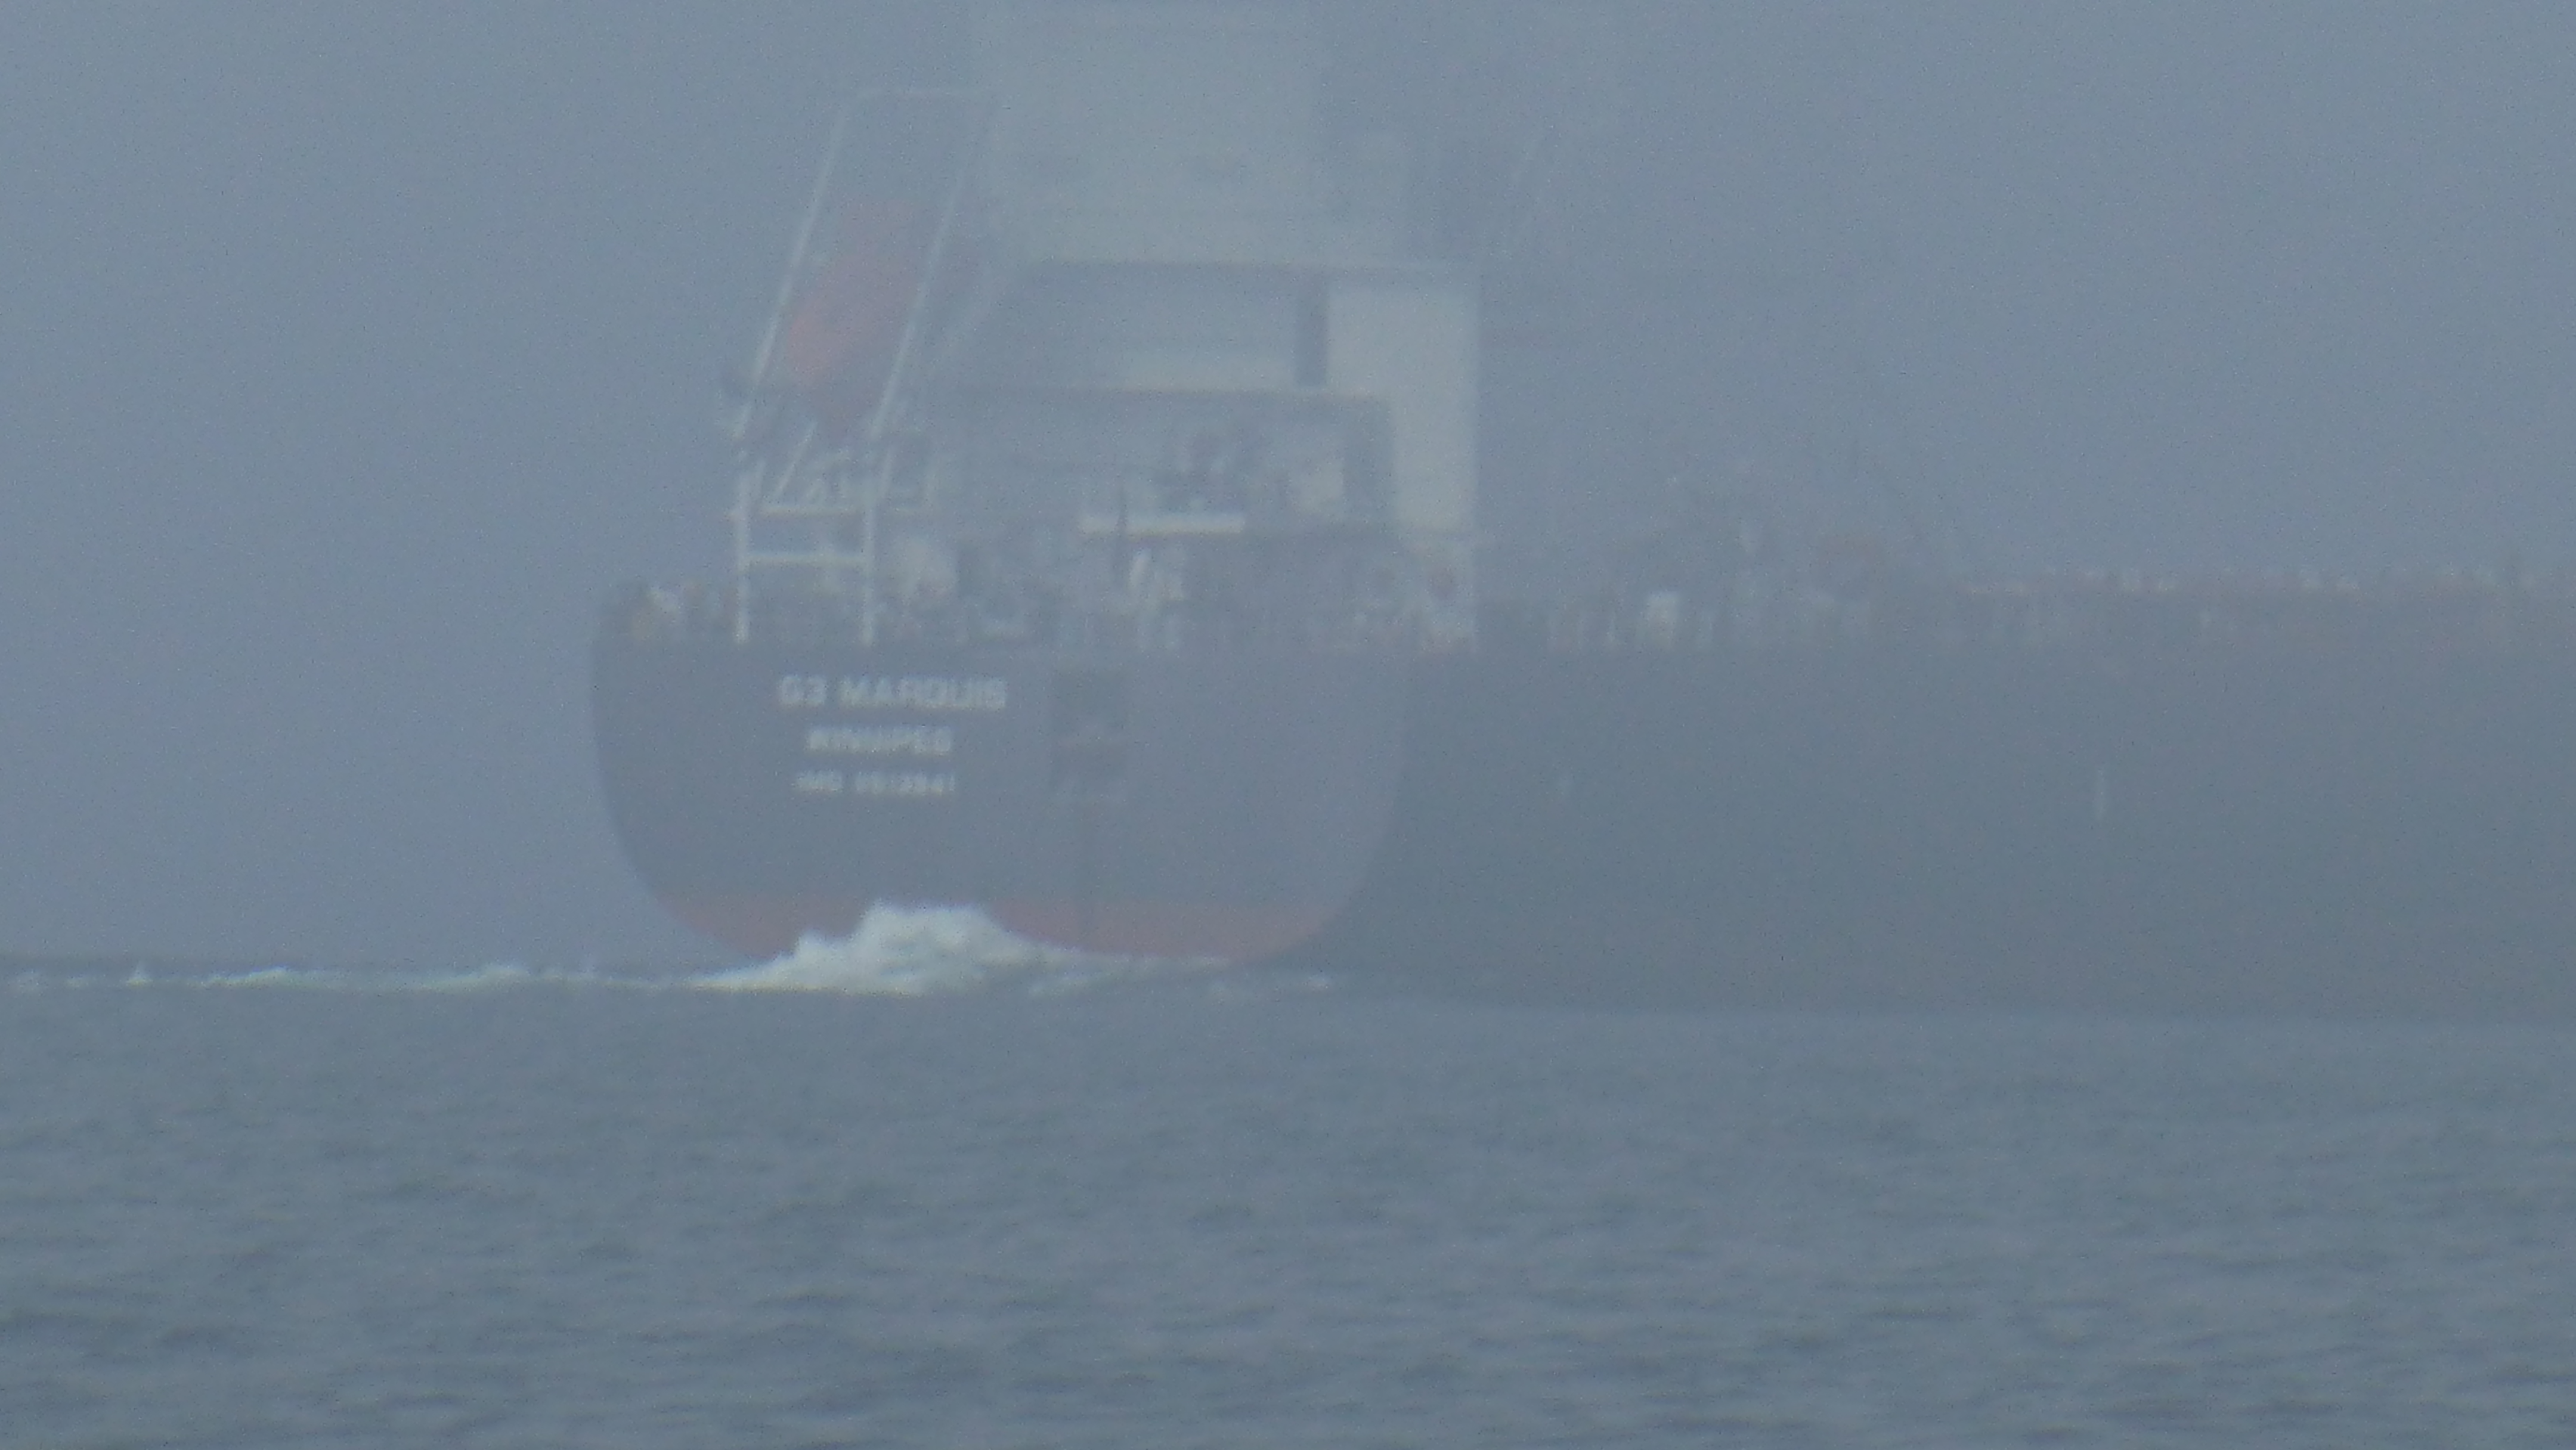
944,694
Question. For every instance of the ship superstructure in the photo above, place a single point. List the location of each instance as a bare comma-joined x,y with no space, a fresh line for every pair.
1119,348
1107,459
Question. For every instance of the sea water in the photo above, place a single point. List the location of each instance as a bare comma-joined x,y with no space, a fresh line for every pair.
949,1192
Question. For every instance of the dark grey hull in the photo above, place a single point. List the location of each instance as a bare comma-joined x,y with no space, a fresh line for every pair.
2205,830
2351,830
1217,804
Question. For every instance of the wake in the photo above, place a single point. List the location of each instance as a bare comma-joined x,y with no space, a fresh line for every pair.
895,952
939,951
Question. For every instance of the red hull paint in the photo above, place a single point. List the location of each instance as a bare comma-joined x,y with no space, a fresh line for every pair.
1165,929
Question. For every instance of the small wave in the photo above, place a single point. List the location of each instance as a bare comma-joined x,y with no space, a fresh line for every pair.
271,977
937,951
337,979
489,977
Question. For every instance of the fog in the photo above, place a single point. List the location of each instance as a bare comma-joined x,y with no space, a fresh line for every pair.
351,353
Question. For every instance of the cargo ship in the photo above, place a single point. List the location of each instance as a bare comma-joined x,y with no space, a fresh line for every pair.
1106,555
1104,467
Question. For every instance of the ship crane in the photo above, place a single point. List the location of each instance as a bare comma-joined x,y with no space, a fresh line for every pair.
829,422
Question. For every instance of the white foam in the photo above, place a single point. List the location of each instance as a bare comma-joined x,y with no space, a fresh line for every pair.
268,977
901,951
493,976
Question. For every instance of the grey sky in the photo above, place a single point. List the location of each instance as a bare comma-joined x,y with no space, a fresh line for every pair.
350,353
